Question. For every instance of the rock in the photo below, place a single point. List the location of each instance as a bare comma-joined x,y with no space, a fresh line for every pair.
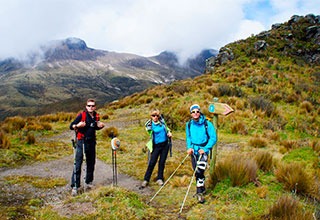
260,45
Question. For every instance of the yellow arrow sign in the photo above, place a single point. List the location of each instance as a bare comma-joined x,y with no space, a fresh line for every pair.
220,108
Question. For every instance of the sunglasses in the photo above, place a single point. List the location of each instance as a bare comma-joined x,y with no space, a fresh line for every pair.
155,116
91,106
195,112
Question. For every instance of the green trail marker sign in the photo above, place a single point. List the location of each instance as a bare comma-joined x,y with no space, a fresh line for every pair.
217,109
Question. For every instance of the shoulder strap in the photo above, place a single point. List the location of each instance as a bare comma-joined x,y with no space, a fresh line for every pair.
83,116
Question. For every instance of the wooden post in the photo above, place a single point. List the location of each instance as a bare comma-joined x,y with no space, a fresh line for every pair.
215,124
217,109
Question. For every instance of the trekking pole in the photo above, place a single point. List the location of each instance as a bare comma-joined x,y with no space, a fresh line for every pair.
74,161
84,164
168,179
185,198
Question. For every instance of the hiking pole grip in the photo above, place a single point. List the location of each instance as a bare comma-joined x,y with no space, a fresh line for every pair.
168,179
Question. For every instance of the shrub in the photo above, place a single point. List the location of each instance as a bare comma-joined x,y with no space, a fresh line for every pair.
258,142
305,106
46,126
31,139
264,160
107,132
295,178
315,145
4,140
242,170
272,135
263,104
17,122
105,116
289,144
287,208
225,90
239,128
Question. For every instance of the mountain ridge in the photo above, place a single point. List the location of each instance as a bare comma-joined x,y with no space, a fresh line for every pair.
68,70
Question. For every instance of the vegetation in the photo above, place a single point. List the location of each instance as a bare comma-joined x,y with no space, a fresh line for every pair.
268,150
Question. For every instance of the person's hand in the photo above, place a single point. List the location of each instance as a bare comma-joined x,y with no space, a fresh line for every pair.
201,151
190,151
100,124
169,135
81,124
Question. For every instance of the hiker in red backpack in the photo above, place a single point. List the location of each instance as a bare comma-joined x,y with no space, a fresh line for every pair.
85,125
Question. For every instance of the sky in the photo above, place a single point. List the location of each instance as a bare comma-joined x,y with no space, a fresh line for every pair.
143,27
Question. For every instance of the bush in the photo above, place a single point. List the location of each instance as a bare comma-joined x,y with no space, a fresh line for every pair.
295,178
239,128
305,106
16,122
105,116
287,208
46,126
4,140
258,142
263,104
31,139
107,132
264,160
240,169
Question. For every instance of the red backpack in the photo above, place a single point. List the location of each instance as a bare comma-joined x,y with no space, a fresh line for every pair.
83,118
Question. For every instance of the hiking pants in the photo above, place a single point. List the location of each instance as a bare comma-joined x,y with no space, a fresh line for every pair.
200,172
161,150
90,152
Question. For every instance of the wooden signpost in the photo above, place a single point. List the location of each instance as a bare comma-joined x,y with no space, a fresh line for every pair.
217,109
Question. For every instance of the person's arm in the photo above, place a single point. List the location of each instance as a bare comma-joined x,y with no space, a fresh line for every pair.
74,124
188,136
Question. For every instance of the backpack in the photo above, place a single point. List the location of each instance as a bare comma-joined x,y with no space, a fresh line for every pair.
83,118
206,126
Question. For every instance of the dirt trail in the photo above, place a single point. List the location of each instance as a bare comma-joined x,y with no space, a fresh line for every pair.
18,194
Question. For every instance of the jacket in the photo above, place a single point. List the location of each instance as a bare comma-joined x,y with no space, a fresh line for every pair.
197,137
148,127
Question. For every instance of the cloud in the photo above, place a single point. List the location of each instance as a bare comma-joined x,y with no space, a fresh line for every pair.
140,26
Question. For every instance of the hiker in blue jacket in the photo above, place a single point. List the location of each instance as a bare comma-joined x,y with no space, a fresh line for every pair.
158,145
201,137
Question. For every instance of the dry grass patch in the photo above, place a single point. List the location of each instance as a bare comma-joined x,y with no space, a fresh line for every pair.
4,140
239,128
239,168
295,178
305,106
109,132
264,160
288,208
258,142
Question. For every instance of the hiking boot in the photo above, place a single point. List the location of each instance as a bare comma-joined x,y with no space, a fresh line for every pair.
144,184
89,186
74,191
200,198
159,182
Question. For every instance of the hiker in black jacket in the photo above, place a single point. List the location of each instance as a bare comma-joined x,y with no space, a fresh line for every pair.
85,125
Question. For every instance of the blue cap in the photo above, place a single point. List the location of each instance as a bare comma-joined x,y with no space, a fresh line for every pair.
194,107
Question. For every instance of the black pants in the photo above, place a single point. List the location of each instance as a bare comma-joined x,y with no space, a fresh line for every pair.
161,150
200,172
90,153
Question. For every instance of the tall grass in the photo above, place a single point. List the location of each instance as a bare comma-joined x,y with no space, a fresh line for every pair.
4,140
295,178
288,208
239,168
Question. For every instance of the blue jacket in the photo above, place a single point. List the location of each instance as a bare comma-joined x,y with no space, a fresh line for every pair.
197,135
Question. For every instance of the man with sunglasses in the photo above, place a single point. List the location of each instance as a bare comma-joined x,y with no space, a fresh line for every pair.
85,125
201,137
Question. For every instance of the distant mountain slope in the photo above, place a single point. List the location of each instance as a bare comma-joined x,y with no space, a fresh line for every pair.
69,72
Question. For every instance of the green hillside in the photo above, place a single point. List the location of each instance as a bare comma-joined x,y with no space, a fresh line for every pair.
268,149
